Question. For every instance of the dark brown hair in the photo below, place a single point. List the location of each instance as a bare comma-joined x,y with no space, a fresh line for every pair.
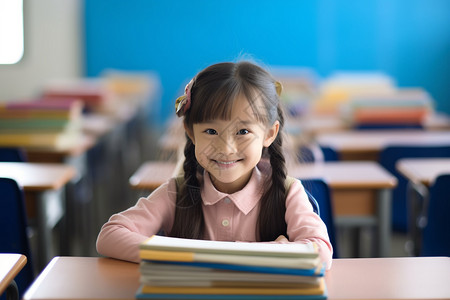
213,93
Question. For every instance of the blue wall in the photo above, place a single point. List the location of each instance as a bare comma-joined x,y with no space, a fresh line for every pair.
407,39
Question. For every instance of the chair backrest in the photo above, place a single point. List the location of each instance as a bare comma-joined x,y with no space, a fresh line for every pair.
435,235
388,158
13,229
319,195
12,154
308,154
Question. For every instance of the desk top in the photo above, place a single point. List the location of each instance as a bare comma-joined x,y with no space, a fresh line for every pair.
376,140
152,174
38,176
97,124
10,266
363,278
343,174
423,170
346,174
55,155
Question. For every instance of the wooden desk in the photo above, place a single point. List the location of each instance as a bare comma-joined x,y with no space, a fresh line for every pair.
54,155
152,174
80,278
366,144
421,174
10,266
43,186
360,190
423,170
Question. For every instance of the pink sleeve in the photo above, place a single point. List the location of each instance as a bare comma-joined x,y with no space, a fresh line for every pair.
304,225
121,235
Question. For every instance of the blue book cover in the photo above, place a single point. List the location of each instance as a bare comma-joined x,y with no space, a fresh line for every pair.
245,268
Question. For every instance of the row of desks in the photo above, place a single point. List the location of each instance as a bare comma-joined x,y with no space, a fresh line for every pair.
54,176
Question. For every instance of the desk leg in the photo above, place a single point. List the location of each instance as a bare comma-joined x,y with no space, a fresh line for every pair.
50,211
384,222
12,291
418,197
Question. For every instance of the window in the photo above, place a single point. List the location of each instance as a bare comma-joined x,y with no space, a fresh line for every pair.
11,31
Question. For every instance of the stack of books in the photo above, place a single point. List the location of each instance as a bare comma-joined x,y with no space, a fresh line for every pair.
175,268
94,93
337,90
40,123
404,108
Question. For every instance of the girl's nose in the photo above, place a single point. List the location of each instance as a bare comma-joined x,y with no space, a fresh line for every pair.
227,144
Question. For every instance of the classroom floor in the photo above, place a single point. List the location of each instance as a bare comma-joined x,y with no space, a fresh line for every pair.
366,245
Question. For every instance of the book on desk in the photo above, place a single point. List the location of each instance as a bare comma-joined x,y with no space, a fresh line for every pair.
174,268
40,123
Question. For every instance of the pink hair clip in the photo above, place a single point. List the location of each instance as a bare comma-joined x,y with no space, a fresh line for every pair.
183,103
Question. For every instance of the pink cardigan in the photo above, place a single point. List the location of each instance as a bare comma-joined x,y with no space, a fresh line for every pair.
228,217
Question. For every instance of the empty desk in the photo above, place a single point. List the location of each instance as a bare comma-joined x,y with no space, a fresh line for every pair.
367,144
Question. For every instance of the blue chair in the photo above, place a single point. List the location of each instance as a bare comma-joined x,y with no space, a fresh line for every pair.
13,229
388,158
320,197
12,154
435,241
307,155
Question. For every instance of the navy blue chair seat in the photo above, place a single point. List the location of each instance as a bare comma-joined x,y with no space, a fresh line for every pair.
10,154
13,229
320,197
435,235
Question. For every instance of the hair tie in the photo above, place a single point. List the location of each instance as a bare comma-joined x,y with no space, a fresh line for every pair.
183,103
278,88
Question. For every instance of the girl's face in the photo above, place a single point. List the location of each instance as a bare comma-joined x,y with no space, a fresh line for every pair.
229,150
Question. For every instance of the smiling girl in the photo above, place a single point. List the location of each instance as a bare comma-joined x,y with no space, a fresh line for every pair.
233,187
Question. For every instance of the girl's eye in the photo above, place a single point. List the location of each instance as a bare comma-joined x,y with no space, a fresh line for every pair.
243,132
211,131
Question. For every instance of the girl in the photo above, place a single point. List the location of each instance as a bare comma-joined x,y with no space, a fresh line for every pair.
233,187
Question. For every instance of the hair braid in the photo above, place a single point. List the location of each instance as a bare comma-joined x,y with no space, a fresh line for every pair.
272,222
189,225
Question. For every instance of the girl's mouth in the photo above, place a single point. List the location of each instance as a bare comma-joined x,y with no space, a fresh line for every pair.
226,164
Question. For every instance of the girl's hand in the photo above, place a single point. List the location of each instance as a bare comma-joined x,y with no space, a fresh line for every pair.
282,238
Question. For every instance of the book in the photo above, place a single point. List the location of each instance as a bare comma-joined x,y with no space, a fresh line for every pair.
306,263
166,274
33,124
253,250
57,140
54,109
314,271
143,294
233,292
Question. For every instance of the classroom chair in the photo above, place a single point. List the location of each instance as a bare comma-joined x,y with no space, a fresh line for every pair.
13,229
307,154
320,197
9,154
388,158
435,241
